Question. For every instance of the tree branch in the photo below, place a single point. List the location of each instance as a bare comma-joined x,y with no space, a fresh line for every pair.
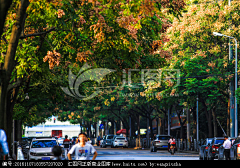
18,83
38,34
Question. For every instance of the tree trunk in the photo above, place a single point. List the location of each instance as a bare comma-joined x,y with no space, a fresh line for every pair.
214,123
4,6
194,123
6,70
163,124
132,127
19,130
138,126
151,128
209,118
210,132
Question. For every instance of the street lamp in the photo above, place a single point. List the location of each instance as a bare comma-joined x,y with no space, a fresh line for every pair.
218,34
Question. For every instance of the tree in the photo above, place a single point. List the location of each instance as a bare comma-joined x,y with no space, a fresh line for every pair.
202,58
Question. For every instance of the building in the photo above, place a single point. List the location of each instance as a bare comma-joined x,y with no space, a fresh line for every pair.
53,127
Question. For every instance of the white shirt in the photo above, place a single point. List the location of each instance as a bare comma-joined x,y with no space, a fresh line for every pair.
82,153
227,144
171,140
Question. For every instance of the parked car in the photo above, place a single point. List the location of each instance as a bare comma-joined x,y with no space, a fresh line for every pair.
235,150
160,142
41,149
213,148
107,141
203,149
101,141
221,155
119,141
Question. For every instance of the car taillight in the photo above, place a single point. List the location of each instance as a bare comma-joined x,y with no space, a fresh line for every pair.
214,148
238,148
125,140
206,147
115,141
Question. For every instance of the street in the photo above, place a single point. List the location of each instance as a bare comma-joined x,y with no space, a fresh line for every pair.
133,154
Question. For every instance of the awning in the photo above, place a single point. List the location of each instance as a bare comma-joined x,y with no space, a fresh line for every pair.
122,131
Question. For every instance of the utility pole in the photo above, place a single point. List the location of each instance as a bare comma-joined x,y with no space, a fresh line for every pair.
232,112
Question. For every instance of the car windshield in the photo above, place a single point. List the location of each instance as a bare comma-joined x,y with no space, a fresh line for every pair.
219,141
209,141
163,137
44,144
120,138
110,137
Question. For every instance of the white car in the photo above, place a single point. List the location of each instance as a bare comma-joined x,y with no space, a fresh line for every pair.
41,149
120,141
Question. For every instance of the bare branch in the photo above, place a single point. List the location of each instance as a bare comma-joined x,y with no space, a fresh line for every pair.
38,34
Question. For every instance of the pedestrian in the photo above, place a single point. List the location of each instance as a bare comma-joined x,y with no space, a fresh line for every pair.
3,145
227,146
66,146
98,140
82,149
57,152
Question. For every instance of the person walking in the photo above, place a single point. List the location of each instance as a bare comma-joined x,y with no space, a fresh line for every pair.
98,140
66,144
227,146
4,150
82,149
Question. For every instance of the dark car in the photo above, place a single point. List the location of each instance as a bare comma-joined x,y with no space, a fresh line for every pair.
159,142
213,148
203,149
107,141
235,150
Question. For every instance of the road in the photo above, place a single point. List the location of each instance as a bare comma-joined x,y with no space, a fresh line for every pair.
132,154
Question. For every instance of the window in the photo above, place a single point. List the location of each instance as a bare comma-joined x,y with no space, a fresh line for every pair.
109,137
219,141
209,141
44,144
163,138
